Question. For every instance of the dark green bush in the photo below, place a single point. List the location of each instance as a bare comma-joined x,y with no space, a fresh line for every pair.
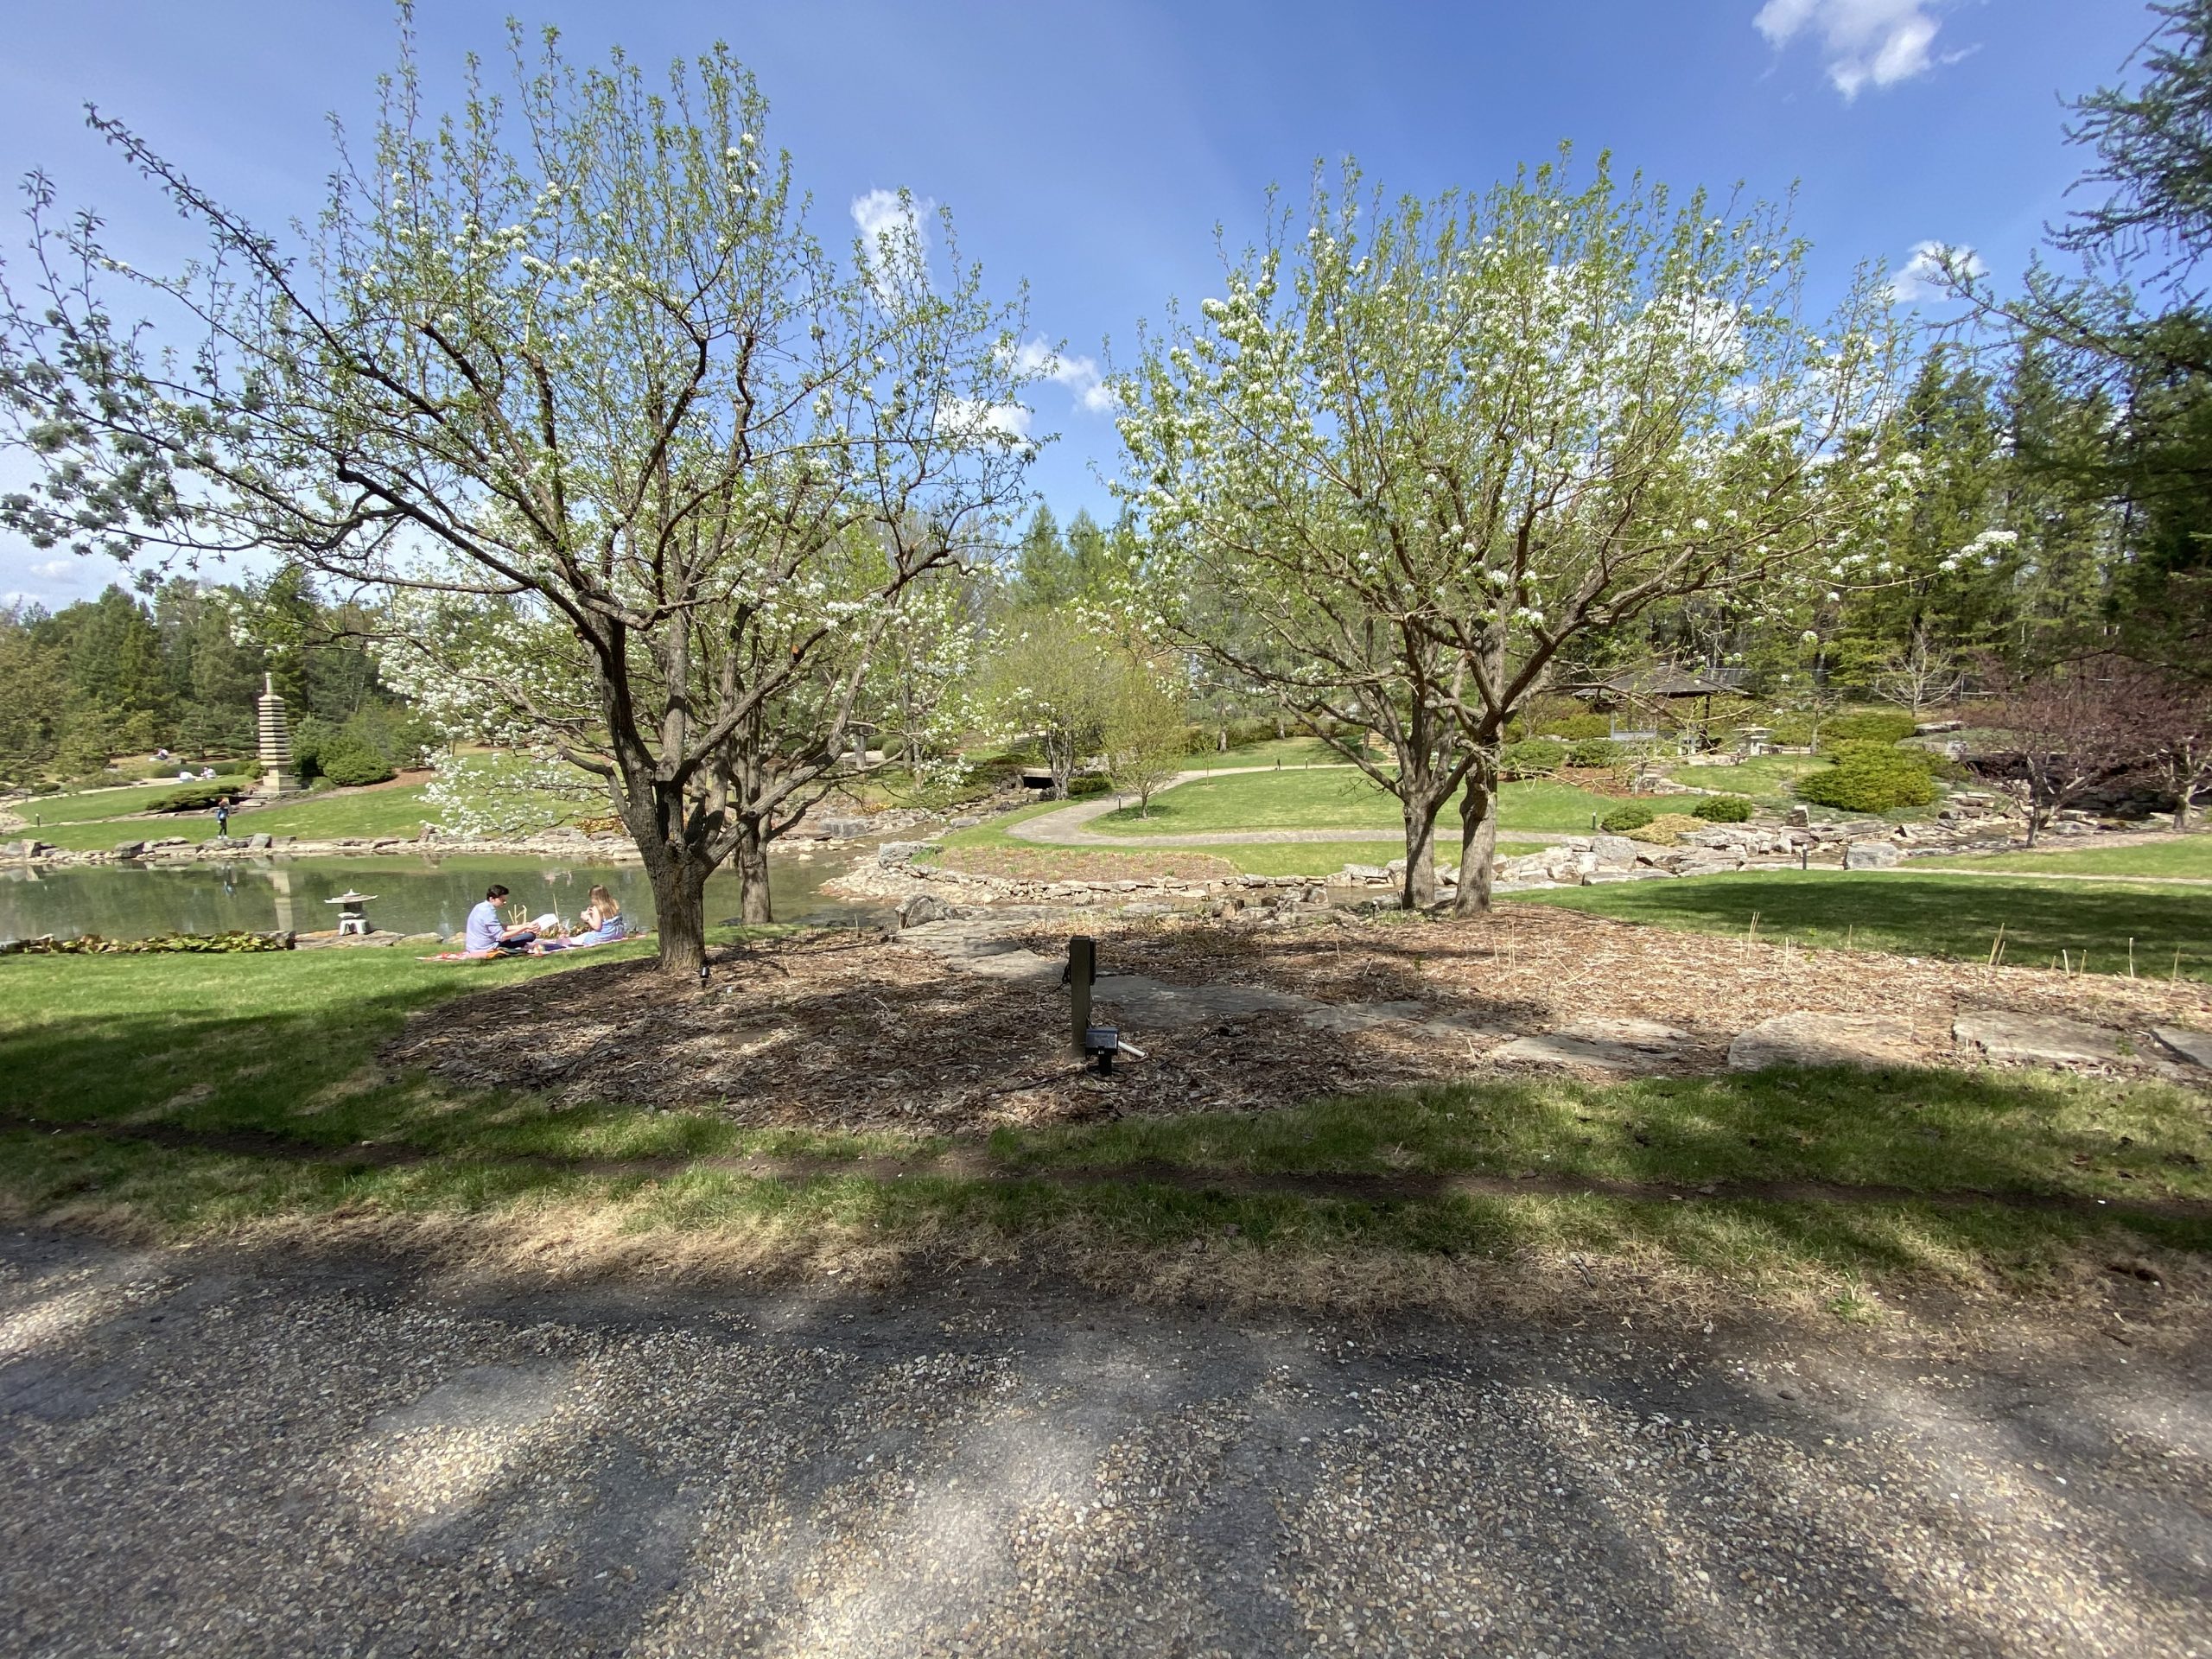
1872,778
1788,731
1593,752
1535,757
1622,819
1578,728
1865,725
1722,809
350,763
1083,788
200,796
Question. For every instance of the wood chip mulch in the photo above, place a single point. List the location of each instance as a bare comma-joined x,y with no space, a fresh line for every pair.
832,1032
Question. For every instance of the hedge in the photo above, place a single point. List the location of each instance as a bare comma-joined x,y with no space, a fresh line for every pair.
1872,778
1536,757
1865,725
1723,809
1622,819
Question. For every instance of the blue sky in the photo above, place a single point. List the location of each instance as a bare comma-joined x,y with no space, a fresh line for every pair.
1092,148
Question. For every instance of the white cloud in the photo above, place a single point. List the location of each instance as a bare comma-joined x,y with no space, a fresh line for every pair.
1080,375
1921,276
972,417
1867,42
54,570
885,212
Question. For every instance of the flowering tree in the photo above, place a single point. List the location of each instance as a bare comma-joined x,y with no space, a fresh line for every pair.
1147,729
1426,448
569,369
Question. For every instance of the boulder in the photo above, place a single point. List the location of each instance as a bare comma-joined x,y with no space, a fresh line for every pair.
1365,873
1809,1038
922,907
1871,856
1613,852
903,852
128,848
259,844
847,829
2035,1039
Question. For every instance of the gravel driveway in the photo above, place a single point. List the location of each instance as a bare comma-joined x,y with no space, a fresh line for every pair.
206,1454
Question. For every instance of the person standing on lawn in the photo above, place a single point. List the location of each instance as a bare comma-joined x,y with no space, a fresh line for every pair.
222,817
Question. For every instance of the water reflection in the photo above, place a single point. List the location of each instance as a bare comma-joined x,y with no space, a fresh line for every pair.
413,895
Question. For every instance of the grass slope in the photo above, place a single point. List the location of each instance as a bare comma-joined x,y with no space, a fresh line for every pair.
367,812
1930,915
2181,856
1338,799
262,1068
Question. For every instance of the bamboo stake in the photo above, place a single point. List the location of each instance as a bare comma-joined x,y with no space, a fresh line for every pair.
1997,945
2131,958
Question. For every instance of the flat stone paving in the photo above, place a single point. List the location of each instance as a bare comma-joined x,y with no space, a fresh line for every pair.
354,1453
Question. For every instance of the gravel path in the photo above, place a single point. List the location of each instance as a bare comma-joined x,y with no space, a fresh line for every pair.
358,1454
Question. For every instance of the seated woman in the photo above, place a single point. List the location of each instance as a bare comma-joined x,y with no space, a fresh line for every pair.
601,922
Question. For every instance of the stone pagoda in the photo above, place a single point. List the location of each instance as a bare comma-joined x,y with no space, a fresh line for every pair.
276,775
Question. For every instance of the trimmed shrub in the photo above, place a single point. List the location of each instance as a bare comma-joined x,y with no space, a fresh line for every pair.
1622,819
1865,725
1722,809
1081,789
1577,728
198,797
350,763
1788,731
1594,752
1536,757
1872,778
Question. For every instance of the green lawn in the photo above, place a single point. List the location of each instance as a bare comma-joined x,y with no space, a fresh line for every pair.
277,1052
1340,799
2183,855
46,810
1766,779
369,812
1930,915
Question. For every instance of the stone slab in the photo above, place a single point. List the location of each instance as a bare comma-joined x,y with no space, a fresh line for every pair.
2036,1039
1811,1039
2194,1046
1604,1045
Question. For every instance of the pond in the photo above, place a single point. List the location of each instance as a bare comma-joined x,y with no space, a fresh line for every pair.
414,894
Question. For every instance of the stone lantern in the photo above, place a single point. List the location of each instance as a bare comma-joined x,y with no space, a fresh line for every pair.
277,774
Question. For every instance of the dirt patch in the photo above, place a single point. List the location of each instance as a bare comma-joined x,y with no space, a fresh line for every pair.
827,1031
1078,864
831,1032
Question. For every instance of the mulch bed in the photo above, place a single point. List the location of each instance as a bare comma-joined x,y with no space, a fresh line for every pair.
832,1032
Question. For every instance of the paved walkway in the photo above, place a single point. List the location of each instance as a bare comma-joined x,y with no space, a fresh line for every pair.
352,1451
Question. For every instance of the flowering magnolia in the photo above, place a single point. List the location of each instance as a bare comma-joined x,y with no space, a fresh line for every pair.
1419,449
660,486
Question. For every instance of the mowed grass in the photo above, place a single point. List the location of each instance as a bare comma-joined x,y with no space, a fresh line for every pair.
92,806
2188,856
268,1061
2045,923
398,810
1765,778
1337,799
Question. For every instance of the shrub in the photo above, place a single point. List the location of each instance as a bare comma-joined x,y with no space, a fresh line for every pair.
1083,788
1535,757
1865,725
1723,809
1577,728
1593,752
350,763
1788,731
1622,819
1872,778
198,798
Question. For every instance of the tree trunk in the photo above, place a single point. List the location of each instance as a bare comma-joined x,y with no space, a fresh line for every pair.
1418,891
752,860
680,915
1478,836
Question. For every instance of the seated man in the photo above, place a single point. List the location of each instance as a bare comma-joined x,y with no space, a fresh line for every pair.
484,936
